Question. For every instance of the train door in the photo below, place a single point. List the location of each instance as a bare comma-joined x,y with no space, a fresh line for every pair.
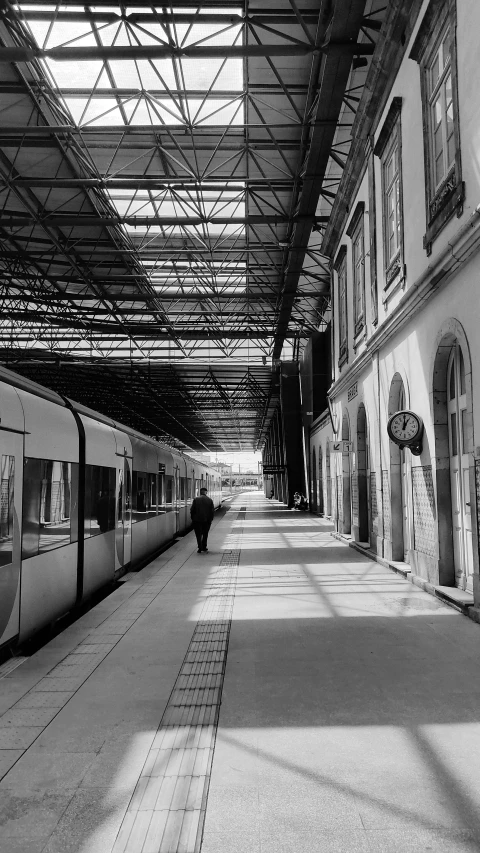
123,536
176,497
11,447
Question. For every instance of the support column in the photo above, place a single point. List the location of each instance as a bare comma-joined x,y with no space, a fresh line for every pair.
292,430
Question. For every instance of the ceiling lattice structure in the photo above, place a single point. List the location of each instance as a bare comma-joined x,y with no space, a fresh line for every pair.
166,174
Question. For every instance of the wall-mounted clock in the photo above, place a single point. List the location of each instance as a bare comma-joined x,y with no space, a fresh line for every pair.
406,429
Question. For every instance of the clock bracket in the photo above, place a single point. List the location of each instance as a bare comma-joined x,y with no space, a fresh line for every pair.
416,444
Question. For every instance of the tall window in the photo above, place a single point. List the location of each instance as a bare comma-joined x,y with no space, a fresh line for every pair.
435,51
358,255
393,218
341,270
355,231
440,102
388,148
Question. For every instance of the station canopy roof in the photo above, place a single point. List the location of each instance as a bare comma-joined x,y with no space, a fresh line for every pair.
166,174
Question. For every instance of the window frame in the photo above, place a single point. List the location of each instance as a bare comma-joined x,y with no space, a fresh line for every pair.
356,232
446,198
340,267
390,140
37,482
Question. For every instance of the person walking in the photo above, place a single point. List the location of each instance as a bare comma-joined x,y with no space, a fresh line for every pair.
201,513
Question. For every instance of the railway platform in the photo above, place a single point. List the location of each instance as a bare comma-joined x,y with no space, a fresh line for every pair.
280,694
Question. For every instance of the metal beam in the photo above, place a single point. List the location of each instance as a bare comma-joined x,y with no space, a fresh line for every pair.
153,182
309,17
84,220
154,51
332,77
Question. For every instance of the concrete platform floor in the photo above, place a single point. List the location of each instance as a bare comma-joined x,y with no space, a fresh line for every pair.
350,715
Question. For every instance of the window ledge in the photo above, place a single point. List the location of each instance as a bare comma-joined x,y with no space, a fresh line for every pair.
458,596
395,269
343,357
394,286
359,337
448,200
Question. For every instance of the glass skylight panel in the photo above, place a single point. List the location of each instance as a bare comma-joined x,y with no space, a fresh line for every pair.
75,75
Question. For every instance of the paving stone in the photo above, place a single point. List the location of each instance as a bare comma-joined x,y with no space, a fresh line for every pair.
90,823
8,757
101,638
62,684
416,838
22,737
235,842
93,649
31,815
35,699
46,771
28,717
318,841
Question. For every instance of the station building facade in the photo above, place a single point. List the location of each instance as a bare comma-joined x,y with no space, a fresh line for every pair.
404,246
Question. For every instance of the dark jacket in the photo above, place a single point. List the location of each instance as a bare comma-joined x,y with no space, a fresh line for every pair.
202,510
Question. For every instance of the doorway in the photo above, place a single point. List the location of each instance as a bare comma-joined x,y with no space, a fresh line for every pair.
346,481
459,469
401,513
454,444
362,475
314,481
328,475
320,481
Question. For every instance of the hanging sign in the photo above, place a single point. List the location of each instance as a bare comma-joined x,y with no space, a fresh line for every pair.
341,446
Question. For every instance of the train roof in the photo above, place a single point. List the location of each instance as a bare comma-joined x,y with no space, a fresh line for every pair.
24,384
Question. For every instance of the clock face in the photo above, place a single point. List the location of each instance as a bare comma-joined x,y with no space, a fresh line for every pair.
404,427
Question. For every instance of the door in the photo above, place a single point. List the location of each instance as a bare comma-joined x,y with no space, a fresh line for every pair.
405,481
459,471
176,497
313,490
11,451
123,533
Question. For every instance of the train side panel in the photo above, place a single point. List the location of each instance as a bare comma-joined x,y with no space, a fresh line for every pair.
11,472
102,474
50,513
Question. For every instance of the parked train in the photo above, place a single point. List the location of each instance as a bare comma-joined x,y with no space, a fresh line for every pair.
83,499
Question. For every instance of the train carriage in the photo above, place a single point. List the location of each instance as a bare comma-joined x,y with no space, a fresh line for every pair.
83,499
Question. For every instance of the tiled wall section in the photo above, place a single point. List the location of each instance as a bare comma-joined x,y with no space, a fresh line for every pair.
387,513
477,491
354,498
340,496
373,501
424,514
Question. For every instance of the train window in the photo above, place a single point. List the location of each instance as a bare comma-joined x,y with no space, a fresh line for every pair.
161,491
48,519
169,492
189,488
99,499
183,488
139,496
198,486
152,495
6,510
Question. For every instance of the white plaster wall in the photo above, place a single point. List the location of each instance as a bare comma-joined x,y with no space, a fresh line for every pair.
407,86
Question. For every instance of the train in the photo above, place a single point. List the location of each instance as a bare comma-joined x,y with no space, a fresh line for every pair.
84,499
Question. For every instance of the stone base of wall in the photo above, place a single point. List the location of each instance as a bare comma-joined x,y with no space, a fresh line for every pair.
425,566
387,549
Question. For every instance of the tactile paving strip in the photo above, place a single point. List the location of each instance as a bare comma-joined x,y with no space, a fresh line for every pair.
167,811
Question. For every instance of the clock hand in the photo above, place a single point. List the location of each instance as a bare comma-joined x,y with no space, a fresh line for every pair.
405,419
